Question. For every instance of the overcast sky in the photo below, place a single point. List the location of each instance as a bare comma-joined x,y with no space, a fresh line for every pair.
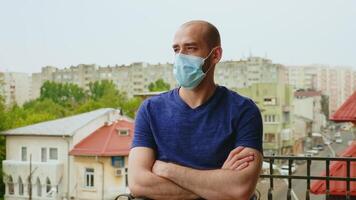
61,33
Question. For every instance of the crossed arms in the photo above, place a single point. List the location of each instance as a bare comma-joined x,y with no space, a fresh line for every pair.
156,179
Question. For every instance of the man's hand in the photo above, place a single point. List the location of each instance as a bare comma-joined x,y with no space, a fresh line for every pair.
144,183
239,183
237,161
160,168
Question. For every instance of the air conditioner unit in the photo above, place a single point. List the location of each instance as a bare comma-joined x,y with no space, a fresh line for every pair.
119,172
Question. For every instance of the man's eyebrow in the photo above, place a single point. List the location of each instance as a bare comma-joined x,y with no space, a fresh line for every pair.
185,44
190,44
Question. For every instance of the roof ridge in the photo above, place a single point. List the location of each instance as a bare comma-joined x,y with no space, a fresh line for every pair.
39,124
111,132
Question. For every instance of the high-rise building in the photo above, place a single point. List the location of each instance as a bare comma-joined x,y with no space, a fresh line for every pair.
15,87
244,73
337,83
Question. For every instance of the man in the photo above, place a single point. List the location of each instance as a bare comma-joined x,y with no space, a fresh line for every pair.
199,140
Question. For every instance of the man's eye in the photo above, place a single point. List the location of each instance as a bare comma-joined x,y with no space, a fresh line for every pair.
192,48
176,50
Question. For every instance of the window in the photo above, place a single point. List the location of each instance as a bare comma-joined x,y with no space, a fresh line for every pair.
39,187
118,161
269,101
269,137
270,118
29,188
11,186
53,153
20,186
24,153
43,154
89,177
48,185
122,132
286,117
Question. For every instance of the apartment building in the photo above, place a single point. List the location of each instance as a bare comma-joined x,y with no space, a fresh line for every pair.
15,87
337,82
275,101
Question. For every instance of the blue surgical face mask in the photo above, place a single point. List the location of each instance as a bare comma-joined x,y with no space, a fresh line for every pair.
188,71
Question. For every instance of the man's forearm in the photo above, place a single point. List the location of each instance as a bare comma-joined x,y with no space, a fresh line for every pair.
210,184
155,187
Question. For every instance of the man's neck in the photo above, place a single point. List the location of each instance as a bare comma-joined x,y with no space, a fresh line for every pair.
199,95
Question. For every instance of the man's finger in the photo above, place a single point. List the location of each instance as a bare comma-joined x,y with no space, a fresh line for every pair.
239,157
243,166
241,161
237,150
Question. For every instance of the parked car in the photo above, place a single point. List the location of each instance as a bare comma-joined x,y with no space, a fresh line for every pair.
338,140
284,170
312,152
318,147
328,142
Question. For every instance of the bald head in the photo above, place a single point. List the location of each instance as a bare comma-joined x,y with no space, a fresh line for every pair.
207,31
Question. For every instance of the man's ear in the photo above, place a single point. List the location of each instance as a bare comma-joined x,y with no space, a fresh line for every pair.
217,54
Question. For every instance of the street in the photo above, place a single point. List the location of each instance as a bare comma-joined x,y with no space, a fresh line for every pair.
299,186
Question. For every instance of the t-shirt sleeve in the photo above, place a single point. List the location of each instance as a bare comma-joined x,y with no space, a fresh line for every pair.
250,129
143,136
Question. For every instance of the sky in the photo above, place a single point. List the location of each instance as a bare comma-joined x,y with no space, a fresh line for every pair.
61,33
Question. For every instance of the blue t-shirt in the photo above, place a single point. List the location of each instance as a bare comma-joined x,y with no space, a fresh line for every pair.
200,138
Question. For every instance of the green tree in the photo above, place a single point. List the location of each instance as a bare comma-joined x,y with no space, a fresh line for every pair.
103,94
325,105
64,94
130,107
2,144
158,85
98,89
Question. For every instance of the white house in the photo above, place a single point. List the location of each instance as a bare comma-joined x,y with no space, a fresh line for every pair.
54,174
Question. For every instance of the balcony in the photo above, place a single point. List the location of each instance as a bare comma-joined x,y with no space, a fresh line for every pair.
46,179
329,186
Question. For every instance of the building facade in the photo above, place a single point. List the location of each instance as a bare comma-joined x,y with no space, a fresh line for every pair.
136,77
56,173
337,82
15,87
275,101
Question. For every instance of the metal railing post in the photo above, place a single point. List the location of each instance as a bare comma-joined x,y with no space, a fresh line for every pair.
327,177
307,195
270,190
348,180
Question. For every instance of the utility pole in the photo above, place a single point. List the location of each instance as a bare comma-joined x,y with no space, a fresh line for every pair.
29,180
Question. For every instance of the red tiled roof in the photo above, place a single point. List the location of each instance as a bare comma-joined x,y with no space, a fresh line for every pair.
106,141
338,169
347,111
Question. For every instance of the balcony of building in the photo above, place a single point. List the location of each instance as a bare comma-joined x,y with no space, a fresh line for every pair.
40,180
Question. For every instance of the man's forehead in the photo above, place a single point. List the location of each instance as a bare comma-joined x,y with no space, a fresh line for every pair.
189,34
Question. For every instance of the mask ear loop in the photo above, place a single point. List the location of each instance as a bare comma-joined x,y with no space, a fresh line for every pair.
208,57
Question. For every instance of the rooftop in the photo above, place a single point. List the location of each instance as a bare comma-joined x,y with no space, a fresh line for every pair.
347,111
107,141
58,127
338,169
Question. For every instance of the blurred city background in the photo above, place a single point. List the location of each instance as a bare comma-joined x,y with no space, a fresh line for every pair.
73,74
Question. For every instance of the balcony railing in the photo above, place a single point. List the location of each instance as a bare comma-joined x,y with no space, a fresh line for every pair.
308,177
